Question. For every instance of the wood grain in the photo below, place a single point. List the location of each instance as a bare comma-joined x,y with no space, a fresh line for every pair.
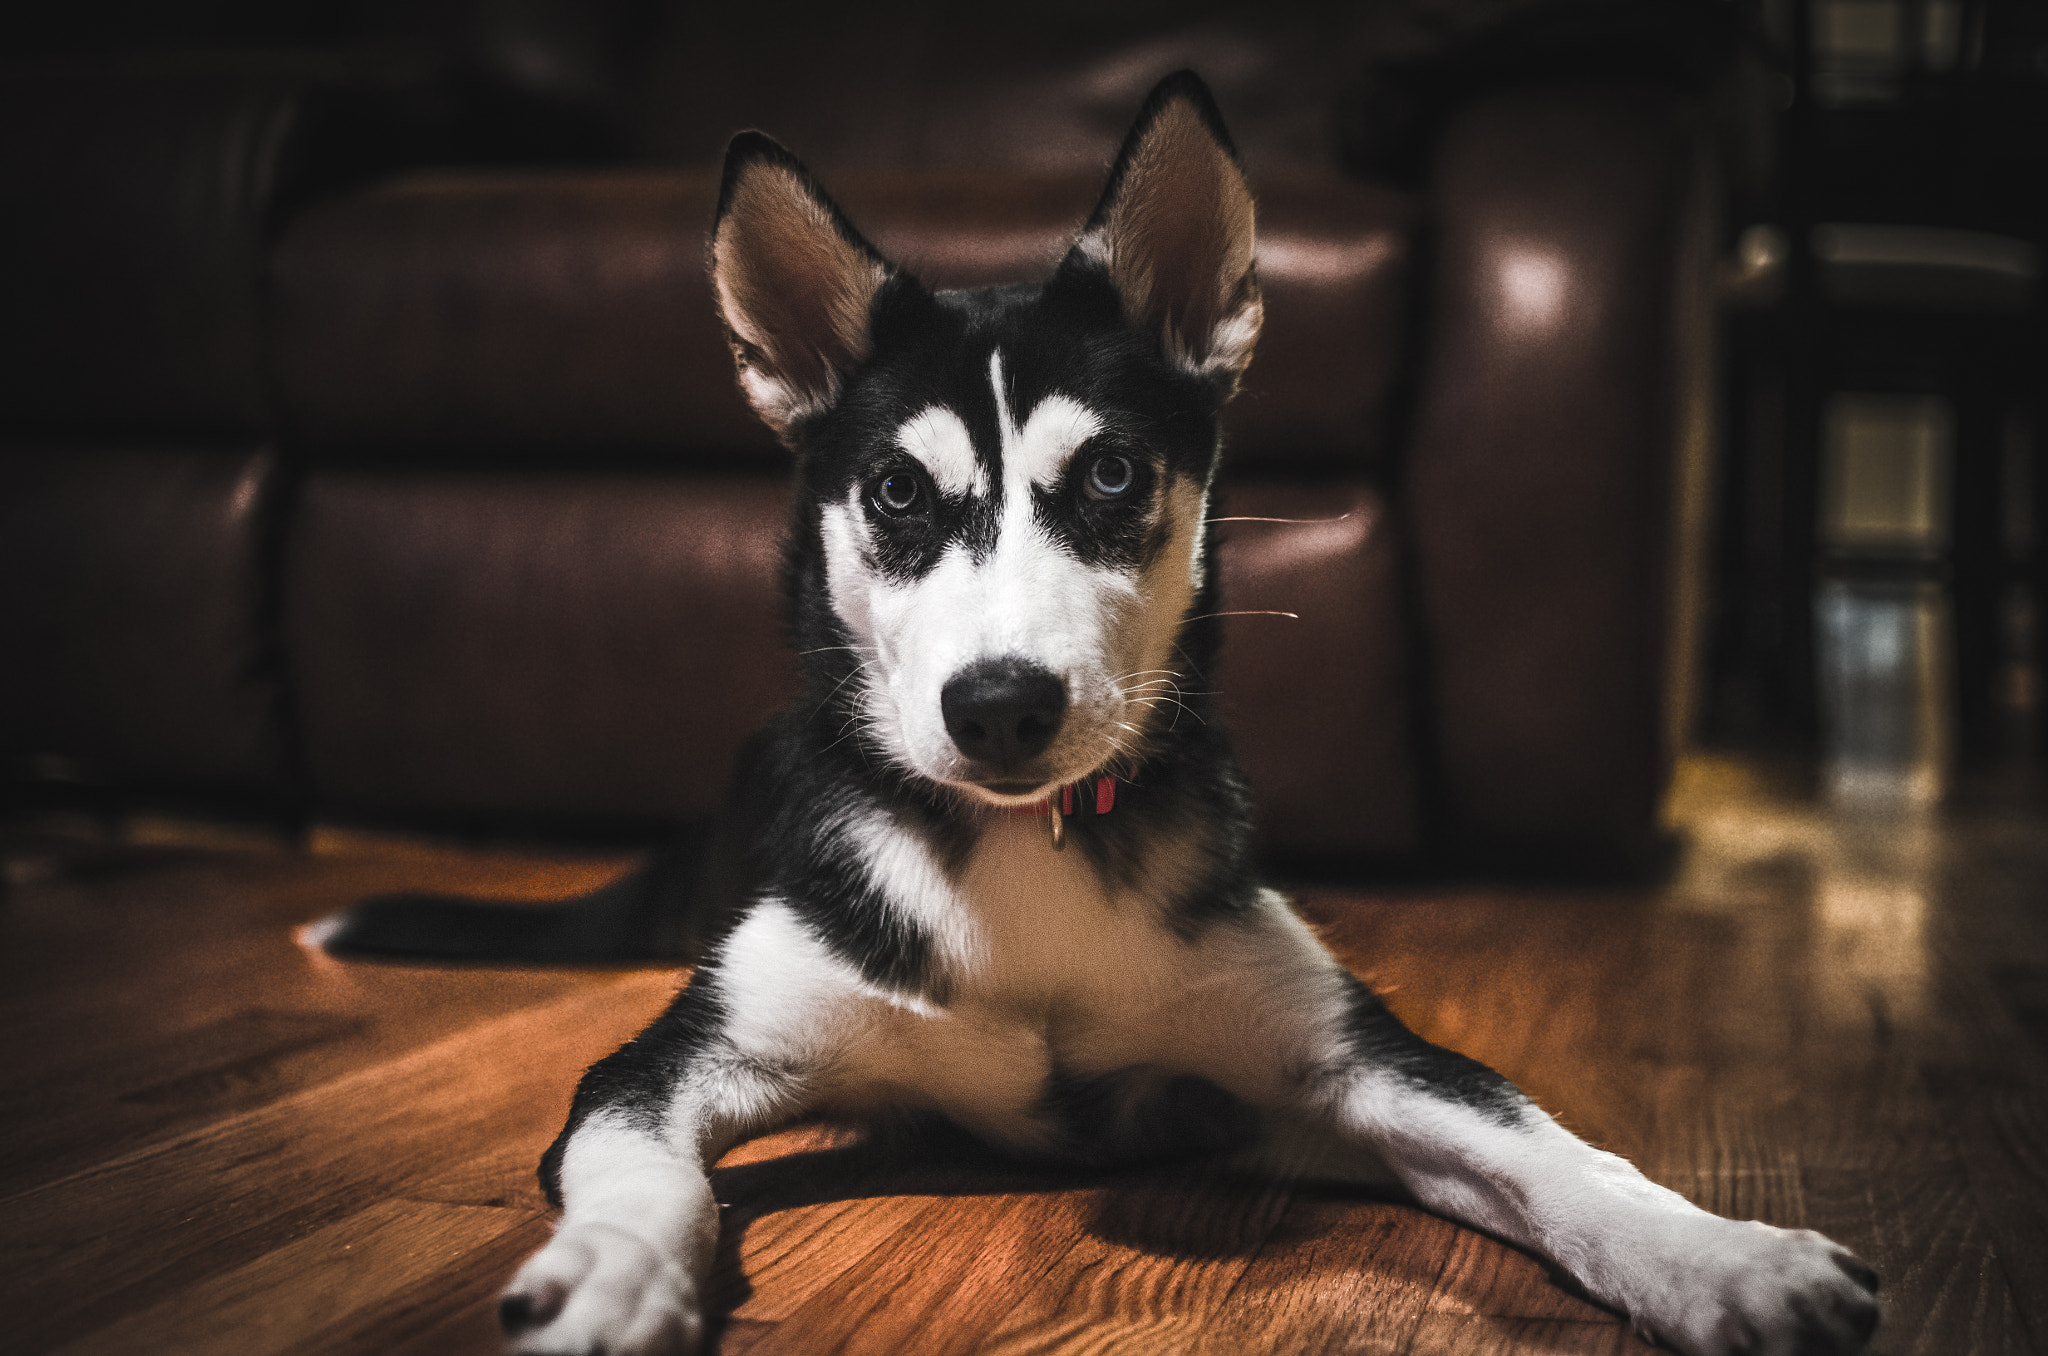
212,1140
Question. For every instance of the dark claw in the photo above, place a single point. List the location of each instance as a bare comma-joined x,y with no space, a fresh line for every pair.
1822,1336
1859,1273
518,1313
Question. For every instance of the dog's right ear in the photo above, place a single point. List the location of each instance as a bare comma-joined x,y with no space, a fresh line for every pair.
795,283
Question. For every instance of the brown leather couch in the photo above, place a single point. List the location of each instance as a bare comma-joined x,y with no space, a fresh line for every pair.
427,496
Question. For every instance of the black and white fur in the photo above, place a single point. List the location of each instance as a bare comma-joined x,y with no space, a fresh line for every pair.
1000,571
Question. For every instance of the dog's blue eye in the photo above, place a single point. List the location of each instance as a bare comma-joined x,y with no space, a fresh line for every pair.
1110,477
896,494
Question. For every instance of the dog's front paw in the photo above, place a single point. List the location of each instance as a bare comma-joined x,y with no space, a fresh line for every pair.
1754,1290
596,1290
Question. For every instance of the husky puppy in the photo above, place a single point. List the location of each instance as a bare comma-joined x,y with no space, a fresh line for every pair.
1000,864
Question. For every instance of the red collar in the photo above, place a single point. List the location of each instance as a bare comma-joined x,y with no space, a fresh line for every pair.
1104,798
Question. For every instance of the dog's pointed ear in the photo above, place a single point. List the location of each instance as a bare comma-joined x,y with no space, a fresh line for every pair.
796,284
1174,230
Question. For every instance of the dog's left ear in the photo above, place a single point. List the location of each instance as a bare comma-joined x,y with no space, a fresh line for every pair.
796,283
1174,230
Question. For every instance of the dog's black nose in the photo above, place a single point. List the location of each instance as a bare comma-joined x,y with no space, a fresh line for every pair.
1003,711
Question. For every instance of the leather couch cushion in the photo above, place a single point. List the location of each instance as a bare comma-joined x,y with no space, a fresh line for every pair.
129,615
490,315
1334,267
1319,703
516,645
562,316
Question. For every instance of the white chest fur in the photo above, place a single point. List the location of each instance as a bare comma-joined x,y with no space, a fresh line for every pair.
1048,970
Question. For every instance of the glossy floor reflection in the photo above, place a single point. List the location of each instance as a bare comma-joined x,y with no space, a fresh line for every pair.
1885,691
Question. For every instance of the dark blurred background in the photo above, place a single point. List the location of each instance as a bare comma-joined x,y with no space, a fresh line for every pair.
370,453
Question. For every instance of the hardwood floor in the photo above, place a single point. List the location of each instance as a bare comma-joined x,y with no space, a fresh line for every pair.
215,1141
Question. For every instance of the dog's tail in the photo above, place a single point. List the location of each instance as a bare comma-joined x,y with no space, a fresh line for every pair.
663,910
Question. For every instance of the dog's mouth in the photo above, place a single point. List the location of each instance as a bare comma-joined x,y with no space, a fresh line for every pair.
1007,793
1005,790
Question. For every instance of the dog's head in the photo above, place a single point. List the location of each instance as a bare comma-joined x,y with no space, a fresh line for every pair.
1006,487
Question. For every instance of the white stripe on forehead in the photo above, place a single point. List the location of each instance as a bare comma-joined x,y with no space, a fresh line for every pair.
937,438
1038,451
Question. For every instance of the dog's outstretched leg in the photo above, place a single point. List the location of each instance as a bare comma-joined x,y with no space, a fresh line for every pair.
1468,1145
625,1271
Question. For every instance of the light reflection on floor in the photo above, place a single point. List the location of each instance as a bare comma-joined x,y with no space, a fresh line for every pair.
1884,690
1864,868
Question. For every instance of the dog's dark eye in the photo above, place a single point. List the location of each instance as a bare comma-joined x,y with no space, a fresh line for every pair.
897,493
1110,477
